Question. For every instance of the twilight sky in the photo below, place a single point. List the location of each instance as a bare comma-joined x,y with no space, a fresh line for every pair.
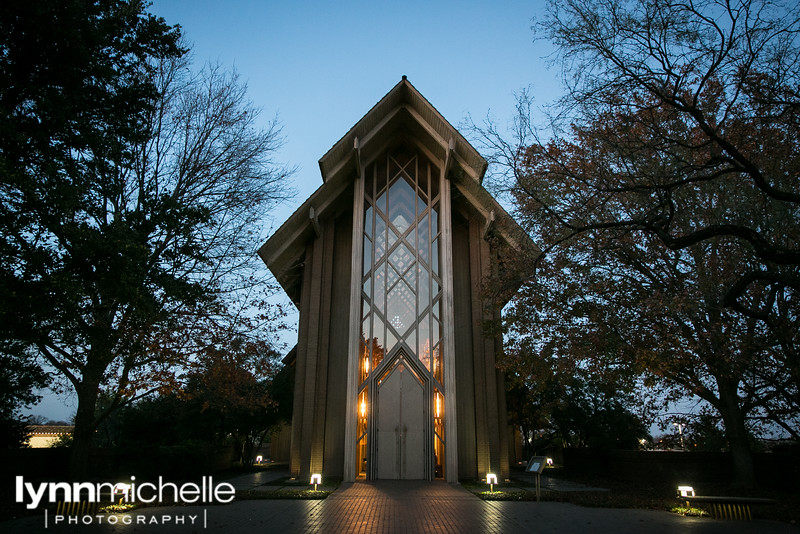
320,66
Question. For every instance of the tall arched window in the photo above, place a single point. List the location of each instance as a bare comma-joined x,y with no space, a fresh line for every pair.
401,280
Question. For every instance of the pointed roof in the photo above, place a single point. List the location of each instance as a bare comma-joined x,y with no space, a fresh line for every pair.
403,109
402,114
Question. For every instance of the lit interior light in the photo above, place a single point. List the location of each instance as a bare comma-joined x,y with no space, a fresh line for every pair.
491,479
363,408
438,407
316,478
396,322
366,366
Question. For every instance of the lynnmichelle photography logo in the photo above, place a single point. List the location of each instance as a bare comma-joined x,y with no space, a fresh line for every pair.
97,494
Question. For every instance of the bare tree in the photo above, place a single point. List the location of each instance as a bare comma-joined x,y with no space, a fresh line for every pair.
679,126
726,73
129,233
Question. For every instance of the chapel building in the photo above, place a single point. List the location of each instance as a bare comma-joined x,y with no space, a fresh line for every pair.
399,265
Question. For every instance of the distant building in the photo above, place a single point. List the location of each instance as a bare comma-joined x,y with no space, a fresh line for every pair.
44,436
395,264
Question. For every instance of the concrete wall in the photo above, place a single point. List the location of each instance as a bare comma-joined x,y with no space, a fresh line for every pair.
337,353
279,443
482,421
465,371
318,425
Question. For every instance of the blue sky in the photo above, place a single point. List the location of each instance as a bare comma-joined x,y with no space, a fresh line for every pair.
320,66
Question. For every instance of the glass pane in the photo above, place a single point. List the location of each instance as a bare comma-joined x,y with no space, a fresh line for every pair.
392,277
421,204
363,367
401,307
434,221
367,255
403,157
436,306
438,432
380,204
422,246
380,183
369,183
422,182
392,238
435,287
361,430
435,256
402,258
394,166
365,328
380,238
391,341
368,221
434,181
368,287
411,339
378,342
410,276
424,288
380,286
436,358
424,347
401,205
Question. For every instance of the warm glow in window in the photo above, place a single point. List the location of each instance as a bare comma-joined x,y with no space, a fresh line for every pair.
401,285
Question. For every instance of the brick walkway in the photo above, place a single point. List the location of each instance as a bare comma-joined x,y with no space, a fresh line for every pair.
405,506
399,507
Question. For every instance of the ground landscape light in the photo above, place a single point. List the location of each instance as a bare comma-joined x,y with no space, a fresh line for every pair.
491,479
316,478
122,489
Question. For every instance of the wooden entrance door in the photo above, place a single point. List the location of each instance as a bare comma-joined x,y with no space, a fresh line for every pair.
401,450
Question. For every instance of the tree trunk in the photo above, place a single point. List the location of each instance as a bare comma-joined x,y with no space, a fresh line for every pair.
736,433
83,434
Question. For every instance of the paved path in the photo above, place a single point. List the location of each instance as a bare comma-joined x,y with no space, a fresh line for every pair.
398,507
255,479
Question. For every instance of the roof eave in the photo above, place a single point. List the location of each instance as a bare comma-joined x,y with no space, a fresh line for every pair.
402,97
